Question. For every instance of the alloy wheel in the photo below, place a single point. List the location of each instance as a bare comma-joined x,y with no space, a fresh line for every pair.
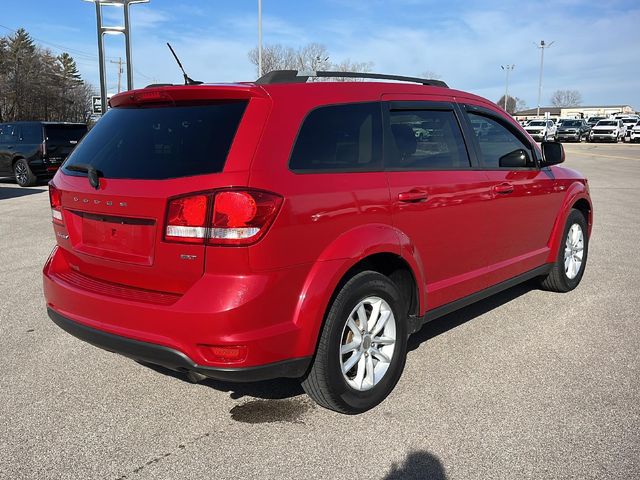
368,343
22,176
573,251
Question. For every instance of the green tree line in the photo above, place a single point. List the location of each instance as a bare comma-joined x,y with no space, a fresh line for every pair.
35,84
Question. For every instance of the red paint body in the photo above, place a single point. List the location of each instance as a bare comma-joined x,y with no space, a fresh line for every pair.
271,297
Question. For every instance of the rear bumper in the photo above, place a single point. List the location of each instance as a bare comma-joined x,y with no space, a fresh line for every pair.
254,313
174,359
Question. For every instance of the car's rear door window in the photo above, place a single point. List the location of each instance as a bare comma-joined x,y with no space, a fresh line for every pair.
339,138
160,142
425,140
31,133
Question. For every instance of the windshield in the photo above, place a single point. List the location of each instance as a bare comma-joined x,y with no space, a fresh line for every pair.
64,133
629,120
537,124
160,142
607,123
571,123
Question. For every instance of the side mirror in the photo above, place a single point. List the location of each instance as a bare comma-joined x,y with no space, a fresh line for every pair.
552,153
516,159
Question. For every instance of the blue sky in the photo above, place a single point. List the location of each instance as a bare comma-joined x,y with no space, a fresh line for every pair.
596,49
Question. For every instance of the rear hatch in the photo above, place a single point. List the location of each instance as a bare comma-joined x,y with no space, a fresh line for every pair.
61,139
154,146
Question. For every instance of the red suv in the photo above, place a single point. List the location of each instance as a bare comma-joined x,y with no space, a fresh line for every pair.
287,228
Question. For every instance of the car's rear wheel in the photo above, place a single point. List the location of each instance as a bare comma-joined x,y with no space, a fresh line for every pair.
362,347
571,260
23,174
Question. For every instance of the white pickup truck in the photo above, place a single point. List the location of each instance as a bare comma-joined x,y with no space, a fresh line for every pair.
541,130
610,130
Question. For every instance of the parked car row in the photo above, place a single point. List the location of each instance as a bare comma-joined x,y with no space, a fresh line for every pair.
32,151
594,129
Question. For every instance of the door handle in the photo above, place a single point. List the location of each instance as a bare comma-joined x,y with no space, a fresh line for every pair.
503,188
413,196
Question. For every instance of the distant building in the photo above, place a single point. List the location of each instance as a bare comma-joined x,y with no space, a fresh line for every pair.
573,112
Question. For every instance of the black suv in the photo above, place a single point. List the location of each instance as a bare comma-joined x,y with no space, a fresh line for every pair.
574,130
34,150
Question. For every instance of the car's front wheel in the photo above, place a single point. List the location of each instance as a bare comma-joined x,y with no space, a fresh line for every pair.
362,347
23,174
567,271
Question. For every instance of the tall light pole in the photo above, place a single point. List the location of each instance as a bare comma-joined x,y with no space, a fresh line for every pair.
259,38
102,31
507,68
542,47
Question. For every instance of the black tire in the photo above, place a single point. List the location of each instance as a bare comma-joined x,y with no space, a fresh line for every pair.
23,174
325,383
557,280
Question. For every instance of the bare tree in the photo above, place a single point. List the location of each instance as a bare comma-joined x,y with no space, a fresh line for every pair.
311,57
520,104
566,98
514,104
431,75
349,66
275,57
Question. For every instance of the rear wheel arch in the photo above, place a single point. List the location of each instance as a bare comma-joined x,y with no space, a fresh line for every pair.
327,279
396,268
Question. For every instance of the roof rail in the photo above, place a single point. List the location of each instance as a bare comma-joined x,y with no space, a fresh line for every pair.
301,76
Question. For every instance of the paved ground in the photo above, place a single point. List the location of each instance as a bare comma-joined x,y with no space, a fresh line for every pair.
528,384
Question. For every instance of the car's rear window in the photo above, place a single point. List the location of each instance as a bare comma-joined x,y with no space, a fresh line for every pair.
64,133
160,142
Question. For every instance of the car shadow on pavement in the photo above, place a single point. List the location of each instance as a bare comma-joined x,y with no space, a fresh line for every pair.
452,320
14,192
284,388
277,389
421,465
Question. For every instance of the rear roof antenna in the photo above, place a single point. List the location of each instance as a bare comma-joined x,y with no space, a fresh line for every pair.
187,80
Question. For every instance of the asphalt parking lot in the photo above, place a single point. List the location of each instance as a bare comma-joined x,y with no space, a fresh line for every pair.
527,384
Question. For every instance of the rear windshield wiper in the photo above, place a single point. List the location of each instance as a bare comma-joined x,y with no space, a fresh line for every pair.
93,174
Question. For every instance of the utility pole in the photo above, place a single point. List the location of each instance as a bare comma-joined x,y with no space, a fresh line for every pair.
507,68
259,38
119,63
542,47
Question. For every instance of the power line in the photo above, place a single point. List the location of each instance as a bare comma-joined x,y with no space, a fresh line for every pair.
58,46
78,54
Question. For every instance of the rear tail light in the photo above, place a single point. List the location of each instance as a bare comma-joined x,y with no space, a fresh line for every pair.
55,200
186,219
234,217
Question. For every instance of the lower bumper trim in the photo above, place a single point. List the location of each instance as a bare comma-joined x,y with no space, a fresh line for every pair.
175,360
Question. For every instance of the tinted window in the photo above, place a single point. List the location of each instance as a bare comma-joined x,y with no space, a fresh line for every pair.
64,133
161,142
426,139
495,140
31,133
7,134
536,124
340,138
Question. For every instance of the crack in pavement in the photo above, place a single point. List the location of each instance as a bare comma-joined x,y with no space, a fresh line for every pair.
158,458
